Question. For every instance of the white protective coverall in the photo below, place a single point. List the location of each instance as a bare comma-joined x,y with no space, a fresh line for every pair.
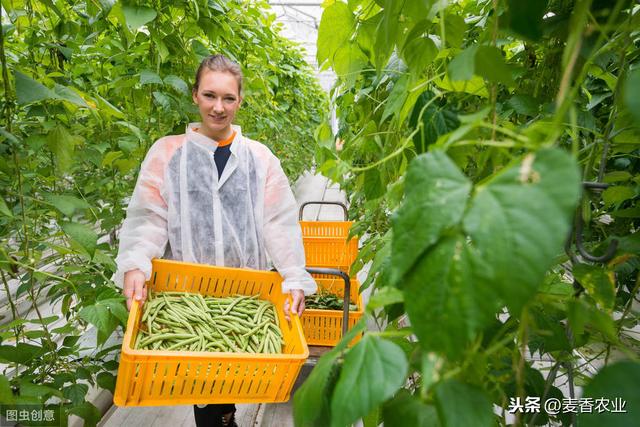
180,210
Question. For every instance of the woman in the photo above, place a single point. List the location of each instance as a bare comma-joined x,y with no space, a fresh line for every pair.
213,196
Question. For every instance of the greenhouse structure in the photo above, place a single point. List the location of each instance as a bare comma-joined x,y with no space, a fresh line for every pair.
320,213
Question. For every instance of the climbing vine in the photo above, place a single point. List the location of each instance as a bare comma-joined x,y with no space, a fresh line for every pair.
490,152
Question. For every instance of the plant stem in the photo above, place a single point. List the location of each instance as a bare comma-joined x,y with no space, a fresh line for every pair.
494,86
519,358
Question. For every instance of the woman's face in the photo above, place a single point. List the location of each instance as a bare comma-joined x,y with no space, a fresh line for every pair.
218,99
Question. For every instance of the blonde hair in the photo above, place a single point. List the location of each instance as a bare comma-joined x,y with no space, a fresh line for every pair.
219,63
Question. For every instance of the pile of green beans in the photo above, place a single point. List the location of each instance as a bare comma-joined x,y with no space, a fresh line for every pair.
324,300
184,321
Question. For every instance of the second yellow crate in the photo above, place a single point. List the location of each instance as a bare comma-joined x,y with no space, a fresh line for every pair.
326,245
324,327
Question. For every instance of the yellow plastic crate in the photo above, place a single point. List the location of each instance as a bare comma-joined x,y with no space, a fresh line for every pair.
154,377
324,327
326,245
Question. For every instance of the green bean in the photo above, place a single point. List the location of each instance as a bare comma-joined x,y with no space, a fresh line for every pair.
182,343
193,322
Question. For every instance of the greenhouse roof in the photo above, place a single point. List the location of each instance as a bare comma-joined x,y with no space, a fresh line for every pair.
300,20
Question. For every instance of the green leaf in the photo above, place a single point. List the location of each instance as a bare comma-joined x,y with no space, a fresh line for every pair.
449,286
373,370
372,418
107,381
617,382
373,187
20,353
311,400
414,95
85,236
618,194
34,334
311,404
335,30
366,36
106,5
462,67
137,16
473,86
617,176
29,90
86,411
117,307
9,136
396,98
490,64
199,49
520,218
70,340
430,367
524,104
582,314
463,405
419,53
454,29
162,100
149,77
407,410
387,32
37,390
109,109
67,94
101,317
110,157
62,145
82,373
36,142
349,60
631,137
177,83
548,334
525,17
134,129
435,199
630,94
6,392
626,213
436,121
4,209
385,296
598,283
66,204
125,165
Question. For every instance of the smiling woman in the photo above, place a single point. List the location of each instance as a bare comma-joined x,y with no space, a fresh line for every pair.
213,196
87,87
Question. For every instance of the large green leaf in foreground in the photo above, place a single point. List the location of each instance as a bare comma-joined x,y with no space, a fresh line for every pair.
374,369
519,221
496,255
436,196
617,388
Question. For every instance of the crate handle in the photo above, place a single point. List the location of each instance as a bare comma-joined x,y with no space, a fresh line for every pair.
347,290
323,202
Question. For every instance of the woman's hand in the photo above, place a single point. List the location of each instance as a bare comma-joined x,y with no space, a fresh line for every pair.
297,295
134,287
